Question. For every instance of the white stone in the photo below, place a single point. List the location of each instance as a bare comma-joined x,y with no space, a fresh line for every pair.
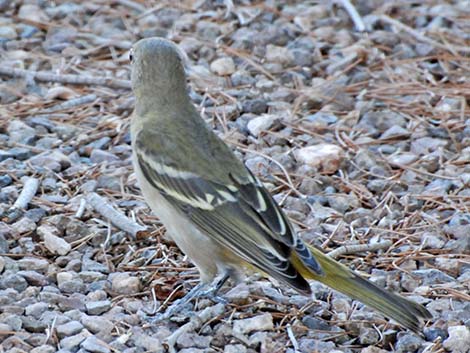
261,123
122,283
459,339
62,277
57,245
325,157
223,66
278,54
257,323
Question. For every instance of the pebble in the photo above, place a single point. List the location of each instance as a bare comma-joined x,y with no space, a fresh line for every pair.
98,307
7,32
51,160
279,54
124,284
24,225
255,106
36,310
73,342
93,344
5,180
408,343
223,66
97,324
13,281
20,132
262,322
99,156
326,157
459,339
55,244
43,349
69,329
262,123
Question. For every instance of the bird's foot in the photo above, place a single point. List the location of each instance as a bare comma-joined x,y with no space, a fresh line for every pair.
202,290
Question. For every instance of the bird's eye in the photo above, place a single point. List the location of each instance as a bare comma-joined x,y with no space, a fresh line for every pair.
131,54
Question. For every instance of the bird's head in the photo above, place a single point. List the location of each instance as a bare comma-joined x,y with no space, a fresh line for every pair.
157,70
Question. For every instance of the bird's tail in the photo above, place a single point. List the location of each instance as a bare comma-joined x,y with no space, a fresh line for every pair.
339,277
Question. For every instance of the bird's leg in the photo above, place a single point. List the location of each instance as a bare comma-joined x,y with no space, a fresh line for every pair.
211,292
197,292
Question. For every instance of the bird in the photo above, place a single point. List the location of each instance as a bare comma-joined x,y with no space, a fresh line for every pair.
216,211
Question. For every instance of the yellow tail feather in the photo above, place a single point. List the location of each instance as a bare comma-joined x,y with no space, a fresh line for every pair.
339,277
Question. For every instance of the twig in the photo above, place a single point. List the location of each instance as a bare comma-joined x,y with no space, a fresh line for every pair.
30,188
196,322
355,17
104,208
353,249
421,37
65,78
81,208
72,103
292,338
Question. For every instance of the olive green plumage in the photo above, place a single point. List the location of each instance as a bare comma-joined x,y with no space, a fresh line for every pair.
215,210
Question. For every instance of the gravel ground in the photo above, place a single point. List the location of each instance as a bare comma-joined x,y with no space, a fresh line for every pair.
364,138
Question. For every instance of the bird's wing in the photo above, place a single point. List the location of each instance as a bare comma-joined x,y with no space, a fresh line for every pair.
236,212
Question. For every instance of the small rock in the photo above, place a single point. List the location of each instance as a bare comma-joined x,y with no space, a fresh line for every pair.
122,283
14,281
69,329
326,157
93,344
402,159
97,324
34,278
53,160
68,282
32,13
368,336
258,323
321,119
24,225
257,125
19,132
33,264
432,241
426,145
223,66
191,339
73,342
7,32
395,131
408,343
5,180
52,242
45,348
315,324
33,325
100,156
98,307
432,333
239,294
313,345
372,349
36,310
254,106
278,54
432,276
20,153
235,348
459,339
